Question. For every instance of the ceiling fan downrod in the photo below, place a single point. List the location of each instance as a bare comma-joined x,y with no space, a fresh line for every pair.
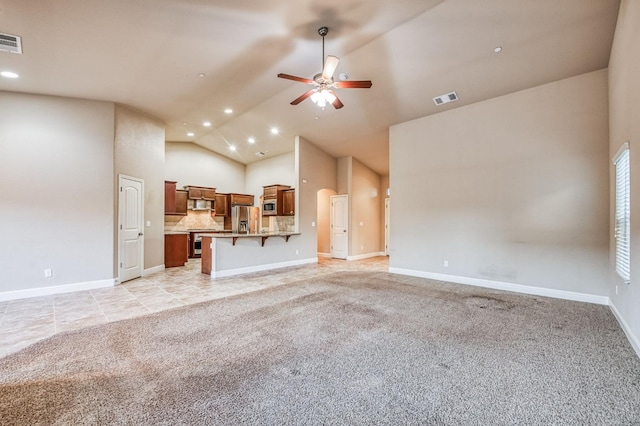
323,31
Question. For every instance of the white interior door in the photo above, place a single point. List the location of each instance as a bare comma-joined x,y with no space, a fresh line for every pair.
339,226
130,228
386,225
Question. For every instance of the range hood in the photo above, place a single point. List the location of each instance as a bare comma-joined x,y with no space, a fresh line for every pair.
199,205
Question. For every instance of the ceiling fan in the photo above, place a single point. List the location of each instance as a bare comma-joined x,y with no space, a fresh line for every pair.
323,83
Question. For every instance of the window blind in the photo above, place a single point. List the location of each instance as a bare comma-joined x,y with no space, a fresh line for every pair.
622,231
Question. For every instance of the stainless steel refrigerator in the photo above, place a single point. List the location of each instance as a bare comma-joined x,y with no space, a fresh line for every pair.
244,219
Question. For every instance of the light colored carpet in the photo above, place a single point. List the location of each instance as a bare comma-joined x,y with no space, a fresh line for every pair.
351,348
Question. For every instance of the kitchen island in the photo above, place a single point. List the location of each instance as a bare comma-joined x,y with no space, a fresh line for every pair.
225,254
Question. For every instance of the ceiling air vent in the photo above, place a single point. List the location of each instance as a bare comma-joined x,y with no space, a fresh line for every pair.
261,153
10,43
445,99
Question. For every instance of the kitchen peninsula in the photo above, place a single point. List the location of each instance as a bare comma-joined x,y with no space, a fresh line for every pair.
226,254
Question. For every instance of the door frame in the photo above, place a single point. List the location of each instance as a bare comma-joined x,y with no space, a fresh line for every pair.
331,241
387,221
121,220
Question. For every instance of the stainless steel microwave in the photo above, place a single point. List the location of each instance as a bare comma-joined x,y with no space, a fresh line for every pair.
269,207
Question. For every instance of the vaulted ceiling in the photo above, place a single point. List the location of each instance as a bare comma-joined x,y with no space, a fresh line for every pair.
186,61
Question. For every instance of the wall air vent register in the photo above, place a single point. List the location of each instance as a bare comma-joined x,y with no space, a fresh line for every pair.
445,99
10,43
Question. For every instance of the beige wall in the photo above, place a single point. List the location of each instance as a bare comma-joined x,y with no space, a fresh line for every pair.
324,220
364,199
624,109
514,189
139,153
319,170
363,187
56,181
191,164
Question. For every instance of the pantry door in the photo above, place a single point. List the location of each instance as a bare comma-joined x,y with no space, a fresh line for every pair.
130,228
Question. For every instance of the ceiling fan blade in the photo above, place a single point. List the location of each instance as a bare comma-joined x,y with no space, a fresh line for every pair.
364,84
337,104
302,97
294,78
330,65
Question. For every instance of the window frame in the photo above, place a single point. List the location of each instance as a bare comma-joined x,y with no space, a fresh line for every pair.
622,213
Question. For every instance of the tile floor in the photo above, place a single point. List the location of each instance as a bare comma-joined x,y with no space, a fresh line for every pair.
26,321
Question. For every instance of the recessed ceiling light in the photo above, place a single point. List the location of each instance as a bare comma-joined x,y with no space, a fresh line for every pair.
191,134
274,130
251,140
206,124
201,75
9,74
232,147
498,49
228,111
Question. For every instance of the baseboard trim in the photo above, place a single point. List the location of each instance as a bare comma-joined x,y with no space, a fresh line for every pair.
259,268
499,285
366,255
326,255
153,270
635,343
58,289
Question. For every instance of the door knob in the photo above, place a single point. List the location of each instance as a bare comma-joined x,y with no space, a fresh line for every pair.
344,230
140,234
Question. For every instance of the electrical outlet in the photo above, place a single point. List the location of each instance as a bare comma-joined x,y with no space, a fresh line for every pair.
313,224
48,273
148,224
296,251
446,263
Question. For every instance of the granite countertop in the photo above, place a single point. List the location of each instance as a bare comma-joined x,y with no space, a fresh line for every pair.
176,232
246,235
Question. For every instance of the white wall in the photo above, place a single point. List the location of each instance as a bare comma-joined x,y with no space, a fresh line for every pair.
191,164
514,189
140,152
270,171
57,186
624,108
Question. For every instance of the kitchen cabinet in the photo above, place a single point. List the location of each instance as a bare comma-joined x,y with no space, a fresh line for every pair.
175,201
222,205
241,200
201,193
275,193
176,250
289,202
271,191
181,202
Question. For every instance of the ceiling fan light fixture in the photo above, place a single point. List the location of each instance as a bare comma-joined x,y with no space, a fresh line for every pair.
322,97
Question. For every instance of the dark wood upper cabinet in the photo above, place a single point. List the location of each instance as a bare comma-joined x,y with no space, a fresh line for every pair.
181,202
175,201
169,197
201,193
240,200
289,202
222,205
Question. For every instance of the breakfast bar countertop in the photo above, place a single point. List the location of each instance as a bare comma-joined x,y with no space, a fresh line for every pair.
247,235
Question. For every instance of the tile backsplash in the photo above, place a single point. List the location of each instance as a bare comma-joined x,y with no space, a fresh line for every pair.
193,220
